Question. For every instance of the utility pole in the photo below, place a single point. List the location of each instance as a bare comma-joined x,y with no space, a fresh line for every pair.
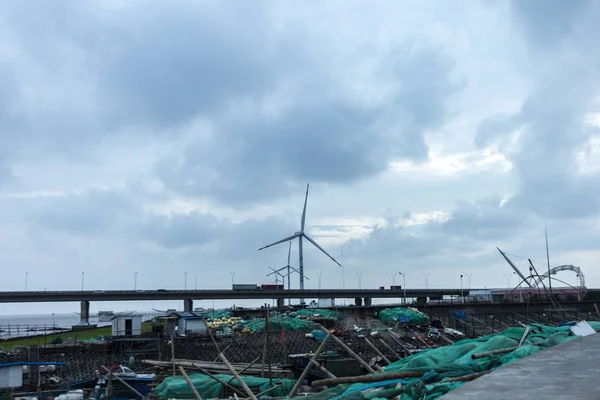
403,285
135,281
462,293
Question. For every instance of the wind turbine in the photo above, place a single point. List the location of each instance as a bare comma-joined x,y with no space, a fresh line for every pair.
289,273
300,234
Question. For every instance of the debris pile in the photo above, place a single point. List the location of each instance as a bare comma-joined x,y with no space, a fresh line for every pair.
431,373
392,316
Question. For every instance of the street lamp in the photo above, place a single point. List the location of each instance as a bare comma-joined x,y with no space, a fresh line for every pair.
135,281
26,277
426,280
403,285
318,274
232,278
359,280
195,283
469,281
394,278
185,281
462,293
82,275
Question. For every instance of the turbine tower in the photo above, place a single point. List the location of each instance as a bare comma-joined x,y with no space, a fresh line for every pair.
300,234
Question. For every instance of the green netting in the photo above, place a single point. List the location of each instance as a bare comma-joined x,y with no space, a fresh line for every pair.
317,312
390,316
176,387
445,362
277,324
219,314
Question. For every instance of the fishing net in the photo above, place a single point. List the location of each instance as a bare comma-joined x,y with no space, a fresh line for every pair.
319,313
442,363
219,314
277,324
176,387
390,316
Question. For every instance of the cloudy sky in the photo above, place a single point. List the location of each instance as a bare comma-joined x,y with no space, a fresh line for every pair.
170,137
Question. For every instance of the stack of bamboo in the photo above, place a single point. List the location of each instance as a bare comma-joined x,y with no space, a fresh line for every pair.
251,369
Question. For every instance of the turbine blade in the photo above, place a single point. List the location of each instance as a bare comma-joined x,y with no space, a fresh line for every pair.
298,272
289,253
304,210
320,248
294,236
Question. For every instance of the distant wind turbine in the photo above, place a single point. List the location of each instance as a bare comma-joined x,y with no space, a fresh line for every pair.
300,234
289,273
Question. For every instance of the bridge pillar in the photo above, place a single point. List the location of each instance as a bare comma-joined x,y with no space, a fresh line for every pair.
358,301
188,305
280,303
85,313
367,301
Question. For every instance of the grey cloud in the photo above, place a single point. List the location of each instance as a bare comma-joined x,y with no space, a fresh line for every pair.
318,139
551,119
548,22
90,213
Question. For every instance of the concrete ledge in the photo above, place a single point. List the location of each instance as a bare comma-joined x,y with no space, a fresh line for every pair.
567,371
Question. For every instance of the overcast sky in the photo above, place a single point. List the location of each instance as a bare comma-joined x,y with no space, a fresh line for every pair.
169,137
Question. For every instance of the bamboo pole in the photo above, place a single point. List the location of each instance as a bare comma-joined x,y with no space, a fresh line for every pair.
376,350
387,346
349,351
216,378
173,352
524,336
493,352
322,368
245,368
307,368
190,384
239,379
470,377
368,378
268,390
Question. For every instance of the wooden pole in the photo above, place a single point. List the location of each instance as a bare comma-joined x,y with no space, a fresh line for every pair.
122,381
245,368
349,351
368,378
239,379
376,350
173,352
268,390
322,368
524,336
189,382
387,346
307,368
466,378
493,352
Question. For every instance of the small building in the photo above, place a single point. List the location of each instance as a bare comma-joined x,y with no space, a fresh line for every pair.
187,323
11,374
127,325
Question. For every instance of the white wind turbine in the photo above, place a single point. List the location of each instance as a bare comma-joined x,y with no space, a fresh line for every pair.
300,234
289,273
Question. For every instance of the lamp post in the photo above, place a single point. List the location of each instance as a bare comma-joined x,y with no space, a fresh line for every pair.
462,293
135,281
426,276
319,275
185,280
195,283
394,278
469,281
359,280
232,278
26,278
403,286
82,276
